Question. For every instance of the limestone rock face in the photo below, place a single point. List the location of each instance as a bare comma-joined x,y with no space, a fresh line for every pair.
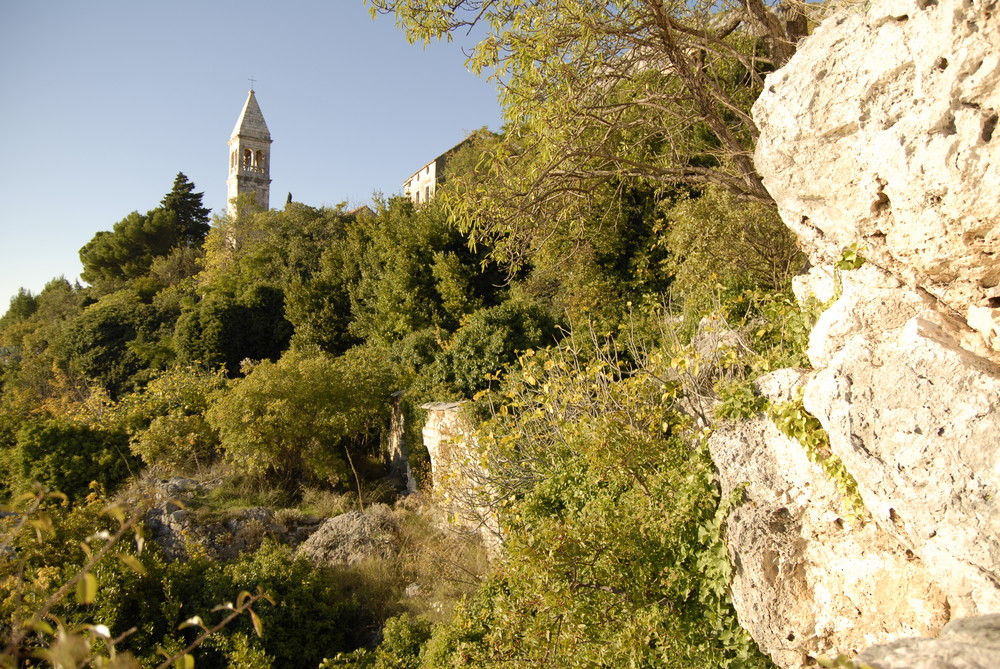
916,420
808,578
882,132
965,643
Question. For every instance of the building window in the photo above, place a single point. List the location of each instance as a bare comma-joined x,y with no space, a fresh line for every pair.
427,194
417,200
247,158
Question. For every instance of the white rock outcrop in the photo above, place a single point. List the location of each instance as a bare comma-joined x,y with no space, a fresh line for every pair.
882,132
460,487
967,643
881,135
809,578
354,537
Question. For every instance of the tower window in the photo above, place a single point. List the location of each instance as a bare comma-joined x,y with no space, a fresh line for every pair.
247,158
258,160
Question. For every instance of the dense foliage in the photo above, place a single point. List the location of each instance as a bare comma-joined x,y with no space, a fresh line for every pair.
562,282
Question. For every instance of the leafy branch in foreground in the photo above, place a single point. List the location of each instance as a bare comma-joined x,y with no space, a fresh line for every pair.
244,602
43,623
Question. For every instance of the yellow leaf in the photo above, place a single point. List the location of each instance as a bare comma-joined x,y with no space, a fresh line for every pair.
117,512
256,623
184,662
86,549
133,563
41,626
86,589
194,621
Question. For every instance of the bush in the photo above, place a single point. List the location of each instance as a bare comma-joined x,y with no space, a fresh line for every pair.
493,339
715,239
403,638
296,420
181,443
611,523
67,457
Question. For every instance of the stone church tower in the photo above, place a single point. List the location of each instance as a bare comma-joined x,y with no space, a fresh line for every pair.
250,156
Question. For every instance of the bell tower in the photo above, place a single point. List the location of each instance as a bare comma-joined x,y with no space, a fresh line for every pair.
250,156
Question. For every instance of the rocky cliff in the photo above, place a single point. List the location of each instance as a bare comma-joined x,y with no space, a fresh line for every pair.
878,137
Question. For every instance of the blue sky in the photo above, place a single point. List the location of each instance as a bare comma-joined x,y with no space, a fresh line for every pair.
103,102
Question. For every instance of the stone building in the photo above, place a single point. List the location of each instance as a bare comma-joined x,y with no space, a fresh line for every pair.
250,156
422,185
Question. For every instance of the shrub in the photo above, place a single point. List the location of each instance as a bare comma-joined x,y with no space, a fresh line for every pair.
611,523
67,457
493,339
304,417
716,239
179,442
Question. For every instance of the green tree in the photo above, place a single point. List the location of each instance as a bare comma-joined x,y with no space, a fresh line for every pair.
22,305
129,249
98,343
603,95
226,329
192,217
271,247
308,416
415,270
28,355
493,339
716,239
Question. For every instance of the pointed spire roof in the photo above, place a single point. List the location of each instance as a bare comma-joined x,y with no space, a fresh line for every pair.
251,121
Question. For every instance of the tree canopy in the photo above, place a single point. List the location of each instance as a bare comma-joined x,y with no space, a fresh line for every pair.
192,217
129,249
601,95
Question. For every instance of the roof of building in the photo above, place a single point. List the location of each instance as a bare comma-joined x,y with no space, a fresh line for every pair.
251,121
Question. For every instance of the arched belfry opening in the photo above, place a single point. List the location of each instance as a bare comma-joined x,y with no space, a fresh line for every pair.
250,156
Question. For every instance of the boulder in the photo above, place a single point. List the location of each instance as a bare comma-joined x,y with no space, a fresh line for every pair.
353,537
964,643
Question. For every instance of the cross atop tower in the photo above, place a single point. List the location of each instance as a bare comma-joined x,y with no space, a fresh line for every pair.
252,81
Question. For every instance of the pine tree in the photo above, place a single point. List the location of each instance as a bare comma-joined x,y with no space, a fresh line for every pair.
192,217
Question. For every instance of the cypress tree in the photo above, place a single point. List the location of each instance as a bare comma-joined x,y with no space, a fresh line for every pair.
192,217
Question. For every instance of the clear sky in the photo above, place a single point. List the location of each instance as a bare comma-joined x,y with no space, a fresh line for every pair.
103,102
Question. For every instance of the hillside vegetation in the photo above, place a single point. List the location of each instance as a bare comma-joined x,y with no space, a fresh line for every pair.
564,281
